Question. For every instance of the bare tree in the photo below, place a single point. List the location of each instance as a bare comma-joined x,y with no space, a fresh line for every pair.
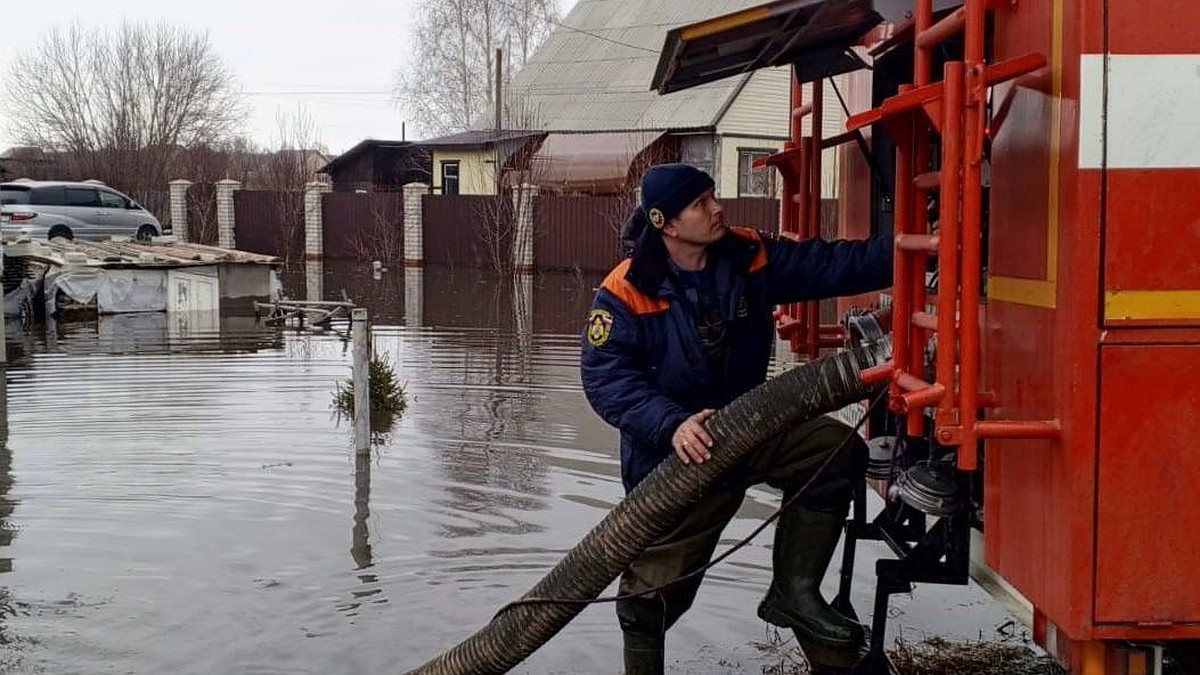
530,22
201,201
496,217
204,165
121,105
451,80
383,237
286,170
288,166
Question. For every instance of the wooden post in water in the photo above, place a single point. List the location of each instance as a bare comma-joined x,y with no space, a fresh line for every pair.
360,334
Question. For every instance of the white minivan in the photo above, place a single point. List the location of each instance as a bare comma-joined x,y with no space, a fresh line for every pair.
49,209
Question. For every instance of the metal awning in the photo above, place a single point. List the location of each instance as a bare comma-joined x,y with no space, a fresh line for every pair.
813,35
589,162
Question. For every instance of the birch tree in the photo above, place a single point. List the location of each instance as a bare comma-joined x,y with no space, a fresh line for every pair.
449,83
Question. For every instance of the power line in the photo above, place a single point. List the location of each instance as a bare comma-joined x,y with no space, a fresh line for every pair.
560,24
375,92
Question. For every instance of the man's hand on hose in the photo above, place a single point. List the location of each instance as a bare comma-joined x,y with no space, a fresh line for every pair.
691,441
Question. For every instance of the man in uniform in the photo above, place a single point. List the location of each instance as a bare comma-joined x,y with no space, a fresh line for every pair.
682,328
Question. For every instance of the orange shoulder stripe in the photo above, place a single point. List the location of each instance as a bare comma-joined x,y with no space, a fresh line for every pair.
760,258
637,301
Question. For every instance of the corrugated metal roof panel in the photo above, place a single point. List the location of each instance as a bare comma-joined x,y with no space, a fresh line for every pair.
163,252
597,78
589,161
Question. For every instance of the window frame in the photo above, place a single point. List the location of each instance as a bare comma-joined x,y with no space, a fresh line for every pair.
121,202
457,178
95,203
745,177
14,199
48,195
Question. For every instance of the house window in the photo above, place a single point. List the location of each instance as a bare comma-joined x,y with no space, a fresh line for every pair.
450,178
753,183
700,152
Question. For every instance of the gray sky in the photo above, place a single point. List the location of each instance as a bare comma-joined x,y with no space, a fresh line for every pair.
336,58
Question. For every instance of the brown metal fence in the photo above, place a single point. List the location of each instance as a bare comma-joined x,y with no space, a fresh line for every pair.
578,232
363,226
759,213
583,232
575,233
201,214
269,222
468,231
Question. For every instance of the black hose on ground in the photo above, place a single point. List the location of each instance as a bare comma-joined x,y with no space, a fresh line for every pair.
651,510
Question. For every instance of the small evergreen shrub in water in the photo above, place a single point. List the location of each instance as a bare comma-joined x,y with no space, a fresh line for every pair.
388,398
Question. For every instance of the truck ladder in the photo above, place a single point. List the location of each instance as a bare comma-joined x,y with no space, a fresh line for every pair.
953,112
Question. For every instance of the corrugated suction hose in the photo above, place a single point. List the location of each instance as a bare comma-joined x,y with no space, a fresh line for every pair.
655,507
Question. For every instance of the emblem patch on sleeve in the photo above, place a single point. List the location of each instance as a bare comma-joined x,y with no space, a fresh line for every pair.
599,327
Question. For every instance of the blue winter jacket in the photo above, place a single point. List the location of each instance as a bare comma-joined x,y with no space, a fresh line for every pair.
644,368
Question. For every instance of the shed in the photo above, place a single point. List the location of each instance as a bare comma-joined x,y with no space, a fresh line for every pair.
379,166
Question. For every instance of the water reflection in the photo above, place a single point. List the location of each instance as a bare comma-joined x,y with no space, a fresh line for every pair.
8,532
445,297
142,333
7,505
370,589
360,536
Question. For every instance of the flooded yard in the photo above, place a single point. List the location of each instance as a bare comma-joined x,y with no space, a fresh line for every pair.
179,497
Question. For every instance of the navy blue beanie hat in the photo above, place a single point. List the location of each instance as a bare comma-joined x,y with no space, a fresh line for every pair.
668,188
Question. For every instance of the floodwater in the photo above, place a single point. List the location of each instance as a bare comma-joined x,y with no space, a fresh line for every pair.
177,496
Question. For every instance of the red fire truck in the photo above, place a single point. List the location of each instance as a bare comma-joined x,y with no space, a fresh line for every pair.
1038,162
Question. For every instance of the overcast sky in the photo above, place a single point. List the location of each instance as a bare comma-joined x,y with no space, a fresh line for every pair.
336,58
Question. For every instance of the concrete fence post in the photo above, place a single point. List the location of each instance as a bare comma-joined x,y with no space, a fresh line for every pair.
314,280
314,224
524,199
360,336
225,212
179,211
414,224
414,297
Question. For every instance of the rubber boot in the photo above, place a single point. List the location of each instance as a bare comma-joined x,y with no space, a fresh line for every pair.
644,654
805,540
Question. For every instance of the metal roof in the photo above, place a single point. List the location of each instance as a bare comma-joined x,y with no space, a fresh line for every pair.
121,252
478,138
594,71
333,164
589,161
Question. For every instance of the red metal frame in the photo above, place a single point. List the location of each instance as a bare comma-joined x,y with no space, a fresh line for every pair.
953,110
1078,509
799,165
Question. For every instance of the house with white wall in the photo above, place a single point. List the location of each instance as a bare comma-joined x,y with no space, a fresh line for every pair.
587,89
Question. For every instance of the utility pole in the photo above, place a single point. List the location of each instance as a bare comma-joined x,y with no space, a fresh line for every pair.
3,345
499,90
497,154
